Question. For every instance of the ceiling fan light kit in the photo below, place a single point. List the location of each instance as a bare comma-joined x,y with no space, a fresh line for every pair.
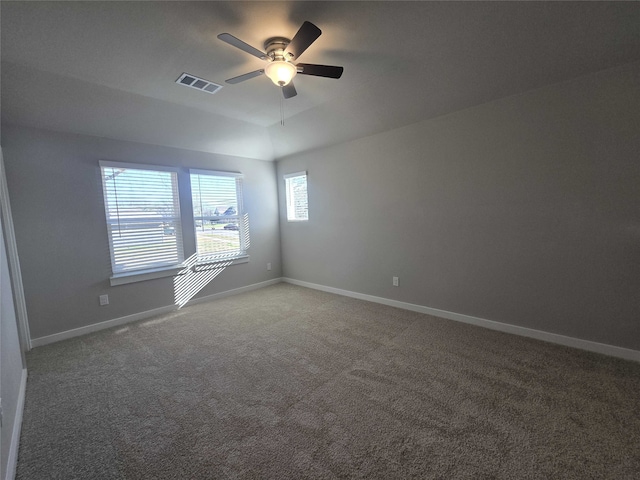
280,53
281,72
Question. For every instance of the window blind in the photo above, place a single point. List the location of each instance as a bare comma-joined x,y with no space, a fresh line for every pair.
143,216
221,227
296,196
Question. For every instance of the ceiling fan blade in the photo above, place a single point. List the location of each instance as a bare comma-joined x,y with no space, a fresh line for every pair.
246,76
328,71
307,34
289,90
245,47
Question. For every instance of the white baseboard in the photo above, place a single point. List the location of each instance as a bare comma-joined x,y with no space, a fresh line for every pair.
12,458
235,291
605,349
612,350
95,327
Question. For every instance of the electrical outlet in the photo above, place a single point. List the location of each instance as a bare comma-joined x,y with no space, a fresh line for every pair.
104,299
268,266
395,281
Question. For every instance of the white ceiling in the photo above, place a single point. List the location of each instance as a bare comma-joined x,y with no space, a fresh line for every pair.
108,68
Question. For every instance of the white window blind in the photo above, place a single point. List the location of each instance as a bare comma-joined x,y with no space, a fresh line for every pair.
143,216
296,196
221,226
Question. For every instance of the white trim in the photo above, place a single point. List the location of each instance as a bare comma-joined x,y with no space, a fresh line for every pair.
292,175
235,291
12,458
290,197
95,327
15,273
172,271
215,173
612,350
217,262
137,166
142,275
115,221
240,215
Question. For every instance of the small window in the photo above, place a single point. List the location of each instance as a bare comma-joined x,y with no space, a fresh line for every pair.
143,216
296,193
220,223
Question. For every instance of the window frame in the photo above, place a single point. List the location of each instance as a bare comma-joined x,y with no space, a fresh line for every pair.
120,276
290,196
187,245
240,215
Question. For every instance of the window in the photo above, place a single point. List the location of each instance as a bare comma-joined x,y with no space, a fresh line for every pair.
146,236
221,227
143,216
296,193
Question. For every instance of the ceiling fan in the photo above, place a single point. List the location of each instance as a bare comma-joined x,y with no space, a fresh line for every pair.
280,52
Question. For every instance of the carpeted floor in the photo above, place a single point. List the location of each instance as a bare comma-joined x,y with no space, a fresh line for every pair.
291,383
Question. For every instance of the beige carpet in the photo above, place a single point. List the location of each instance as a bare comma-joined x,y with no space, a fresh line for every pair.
291,383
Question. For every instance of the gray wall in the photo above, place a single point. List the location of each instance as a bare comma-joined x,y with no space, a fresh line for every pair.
524,210
58,212
10,360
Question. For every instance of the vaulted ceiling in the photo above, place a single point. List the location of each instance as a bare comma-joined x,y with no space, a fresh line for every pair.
109,68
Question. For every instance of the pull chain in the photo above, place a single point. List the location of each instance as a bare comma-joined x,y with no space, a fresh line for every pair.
281,111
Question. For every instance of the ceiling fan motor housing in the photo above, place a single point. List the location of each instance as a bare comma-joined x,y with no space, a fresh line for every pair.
275,47
280,52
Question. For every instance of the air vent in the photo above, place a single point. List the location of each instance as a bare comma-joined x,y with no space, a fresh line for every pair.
192,81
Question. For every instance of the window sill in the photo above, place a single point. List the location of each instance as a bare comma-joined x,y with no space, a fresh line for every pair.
142,275
152,274
214,263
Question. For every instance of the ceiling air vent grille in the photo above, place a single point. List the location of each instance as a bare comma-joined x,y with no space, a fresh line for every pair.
192,81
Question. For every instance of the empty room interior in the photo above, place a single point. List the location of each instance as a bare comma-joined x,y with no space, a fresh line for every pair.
310,239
